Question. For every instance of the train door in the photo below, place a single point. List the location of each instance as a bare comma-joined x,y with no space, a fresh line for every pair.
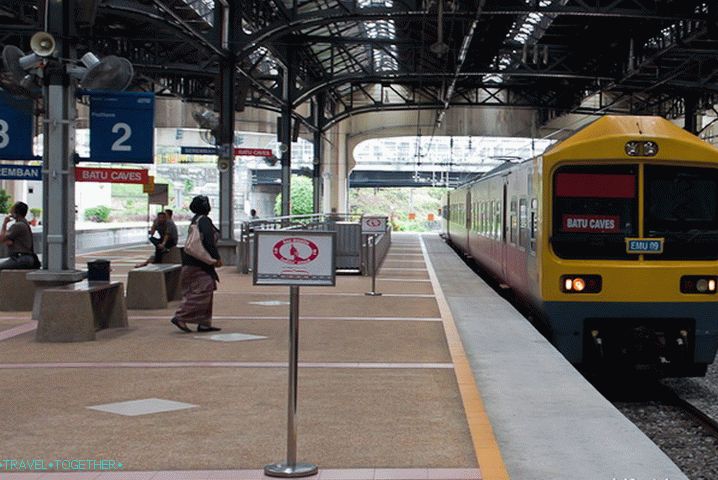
468,217
505,225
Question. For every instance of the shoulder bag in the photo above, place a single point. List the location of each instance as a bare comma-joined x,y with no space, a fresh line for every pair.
193,245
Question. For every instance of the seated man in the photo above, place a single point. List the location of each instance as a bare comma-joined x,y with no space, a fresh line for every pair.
18,239
168,235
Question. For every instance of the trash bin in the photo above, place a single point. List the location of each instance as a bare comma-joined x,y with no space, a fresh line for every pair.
98,271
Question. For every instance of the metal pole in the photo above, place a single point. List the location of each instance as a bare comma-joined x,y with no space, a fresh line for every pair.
372,245
291,468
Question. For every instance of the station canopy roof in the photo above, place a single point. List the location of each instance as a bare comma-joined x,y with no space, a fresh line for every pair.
558,56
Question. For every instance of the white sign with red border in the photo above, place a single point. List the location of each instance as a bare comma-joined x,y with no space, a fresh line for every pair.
373,224
294,257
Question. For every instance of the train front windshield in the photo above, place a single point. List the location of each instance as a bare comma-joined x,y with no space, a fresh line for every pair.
680,206
595,209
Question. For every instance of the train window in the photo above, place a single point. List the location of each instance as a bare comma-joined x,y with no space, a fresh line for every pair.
595,208
523,224
681,205
497,220
513,233
533,223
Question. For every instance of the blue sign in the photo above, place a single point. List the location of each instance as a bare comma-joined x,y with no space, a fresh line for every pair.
199,150
20,172
644,245
15,128
122,127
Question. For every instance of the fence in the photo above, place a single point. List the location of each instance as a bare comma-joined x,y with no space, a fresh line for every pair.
351,246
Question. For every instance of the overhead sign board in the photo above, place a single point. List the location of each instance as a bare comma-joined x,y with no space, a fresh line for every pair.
15,128
149,186
111,175
644,245
199,151
294,258
122,127
373,224
159,194
21,172
253,152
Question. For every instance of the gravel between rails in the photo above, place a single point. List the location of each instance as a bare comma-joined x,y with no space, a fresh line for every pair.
676,431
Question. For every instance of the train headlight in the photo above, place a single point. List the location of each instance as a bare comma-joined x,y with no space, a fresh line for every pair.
635,148
581,283
704,284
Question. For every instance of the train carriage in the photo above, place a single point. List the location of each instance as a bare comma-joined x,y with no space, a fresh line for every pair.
611,237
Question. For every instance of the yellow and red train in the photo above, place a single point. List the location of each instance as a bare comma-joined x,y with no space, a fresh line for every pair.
611,238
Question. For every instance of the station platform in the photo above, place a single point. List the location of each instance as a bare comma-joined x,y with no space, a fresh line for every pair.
438,378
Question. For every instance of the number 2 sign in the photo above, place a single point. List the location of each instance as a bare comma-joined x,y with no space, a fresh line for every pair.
122,127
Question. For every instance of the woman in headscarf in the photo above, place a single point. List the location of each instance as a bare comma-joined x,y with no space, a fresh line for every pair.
199,279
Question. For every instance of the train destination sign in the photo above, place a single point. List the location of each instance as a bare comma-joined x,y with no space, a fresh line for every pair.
644,245
294,258
21,172
591,223
253,152
199,151
373,224
111,175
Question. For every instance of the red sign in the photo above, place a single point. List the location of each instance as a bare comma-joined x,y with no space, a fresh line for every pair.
591,223
253,152
111,175
295,251
595,185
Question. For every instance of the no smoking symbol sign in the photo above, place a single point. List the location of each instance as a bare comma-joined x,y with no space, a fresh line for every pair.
295,251
373,222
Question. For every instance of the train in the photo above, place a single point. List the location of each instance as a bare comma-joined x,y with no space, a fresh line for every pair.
610,239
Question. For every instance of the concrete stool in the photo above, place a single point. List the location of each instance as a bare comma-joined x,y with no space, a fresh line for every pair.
16,291
73,313
173,256
152,286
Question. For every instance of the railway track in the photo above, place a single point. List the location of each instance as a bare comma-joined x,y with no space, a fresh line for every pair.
709,424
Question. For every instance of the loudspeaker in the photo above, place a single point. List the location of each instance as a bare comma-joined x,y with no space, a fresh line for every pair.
223,165
42,44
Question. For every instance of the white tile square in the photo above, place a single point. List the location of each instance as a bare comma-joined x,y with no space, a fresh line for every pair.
146,406
230,337
269,303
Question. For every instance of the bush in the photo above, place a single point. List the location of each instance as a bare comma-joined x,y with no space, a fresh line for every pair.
300,199
36,212
100,214
5,201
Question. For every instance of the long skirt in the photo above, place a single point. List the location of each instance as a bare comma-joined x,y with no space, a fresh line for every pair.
198,289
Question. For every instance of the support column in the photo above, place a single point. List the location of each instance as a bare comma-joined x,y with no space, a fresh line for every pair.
285,131
317,171
690,103
58,178
227,245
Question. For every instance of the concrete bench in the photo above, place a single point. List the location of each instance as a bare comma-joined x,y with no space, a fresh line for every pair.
73,313
154,285
16,291
173,256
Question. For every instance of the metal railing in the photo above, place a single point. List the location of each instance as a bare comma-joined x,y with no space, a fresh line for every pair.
351,244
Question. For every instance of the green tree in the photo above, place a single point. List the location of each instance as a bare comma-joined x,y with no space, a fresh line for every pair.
300,198
5,201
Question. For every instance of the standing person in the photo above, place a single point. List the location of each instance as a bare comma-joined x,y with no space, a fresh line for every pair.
253,215
18,239
199,279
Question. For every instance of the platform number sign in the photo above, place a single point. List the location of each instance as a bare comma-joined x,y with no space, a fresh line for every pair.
15,128
122,127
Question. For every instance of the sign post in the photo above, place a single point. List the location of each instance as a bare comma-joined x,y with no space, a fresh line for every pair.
293,258
373,226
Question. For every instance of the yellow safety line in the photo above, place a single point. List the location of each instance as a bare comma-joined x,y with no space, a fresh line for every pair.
491,463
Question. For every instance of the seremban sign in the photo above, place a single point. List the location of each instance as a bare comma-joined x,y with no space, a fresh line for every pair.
591,223
111,175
